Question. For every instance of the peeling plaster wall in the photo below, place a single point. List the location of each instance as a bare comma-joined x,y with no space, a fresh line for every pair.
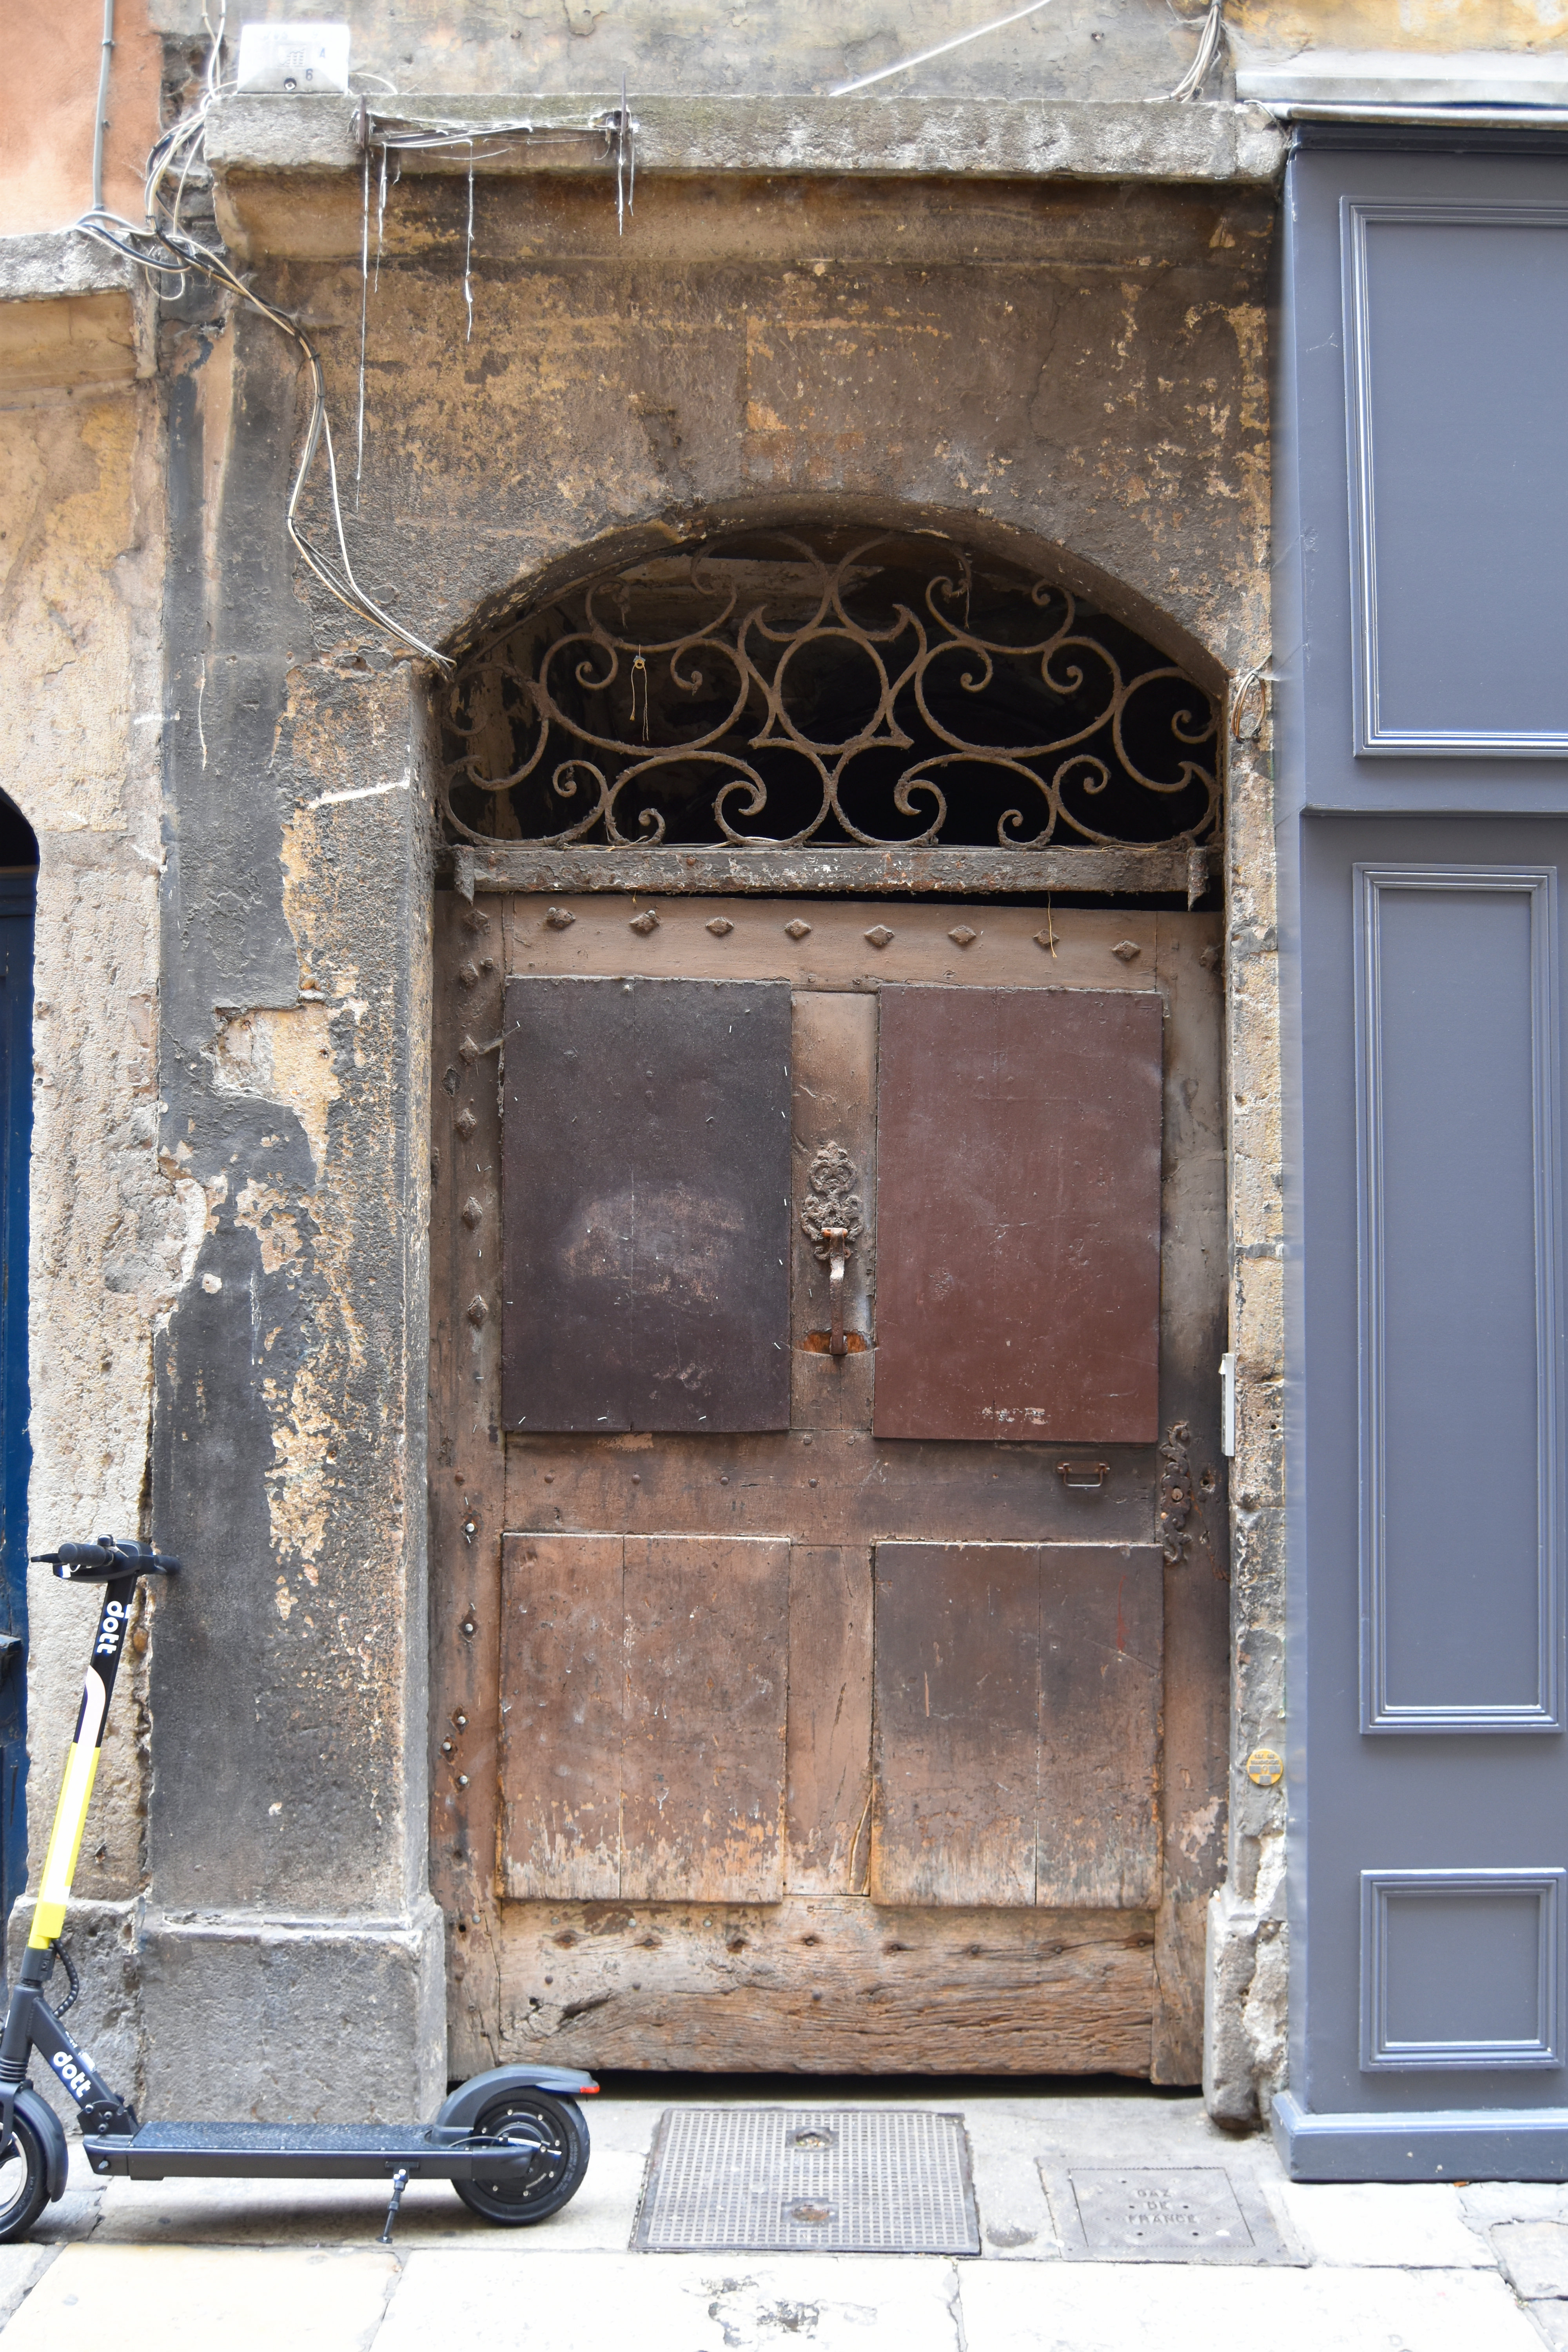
1082,364
80,561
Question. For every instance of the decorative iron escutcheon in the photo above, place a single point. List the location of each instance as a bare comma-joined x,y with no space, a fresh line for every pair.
832,1222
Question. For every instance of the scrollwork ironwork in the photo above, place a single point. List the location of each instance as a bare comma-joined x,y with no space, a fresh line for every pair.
770,689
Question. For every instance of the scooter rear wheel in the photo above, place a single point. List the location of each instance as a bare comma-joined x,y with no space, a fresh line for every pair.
555,2128
23,2182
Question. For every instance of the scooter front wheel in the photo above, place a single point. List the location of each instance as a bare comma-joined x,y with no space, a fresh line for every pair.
555,2130
24,2181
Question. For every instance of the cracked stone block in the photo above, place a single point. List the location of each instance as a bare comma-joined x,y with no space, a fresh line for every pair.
1535,2256
1552,2319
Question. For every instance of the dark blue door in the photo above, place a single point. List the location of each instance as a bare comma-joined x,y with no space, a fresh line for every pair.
17,894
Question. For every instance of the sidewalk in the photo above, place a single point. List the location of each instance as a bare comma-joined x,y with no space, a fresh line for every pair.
1420,2269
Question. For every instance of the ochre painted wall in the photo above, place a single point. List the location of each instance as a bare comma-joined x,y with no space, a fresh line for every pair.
48,94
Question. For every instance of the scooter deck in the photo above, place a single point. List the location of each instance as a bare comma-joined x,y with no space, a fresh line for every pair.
303,2152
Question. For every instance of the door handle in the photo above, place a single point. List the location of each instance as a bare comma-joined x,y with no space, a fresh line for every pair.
838,1240
832,1223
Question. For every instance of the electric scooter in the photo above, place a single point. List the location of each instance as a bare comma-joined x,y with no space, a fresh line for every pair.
512,2142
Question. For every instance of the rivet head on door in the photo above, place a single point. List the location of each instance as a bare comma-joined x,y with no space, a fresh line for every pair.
798,929
1127,951
1264,1769
559,918
644,923
879,935
961,936
720,927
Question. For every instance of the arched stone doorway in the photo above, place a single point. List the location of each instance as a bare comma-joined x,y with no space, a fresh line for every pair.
828,1559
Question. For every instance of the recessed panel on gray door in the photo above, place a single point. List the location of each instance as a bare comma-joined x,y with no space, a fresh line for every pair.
1462,1968
1459,1281
1456,319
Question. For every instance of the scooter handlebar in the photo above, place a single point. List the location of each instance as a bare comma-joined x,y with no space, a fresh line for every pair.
99,1562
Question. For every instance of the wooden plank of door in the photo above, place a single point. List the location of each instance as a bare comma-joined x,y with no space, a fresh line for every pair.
957,1648
829,1745
562,1694
1101,1639
646,1158
706,1665
1019,1214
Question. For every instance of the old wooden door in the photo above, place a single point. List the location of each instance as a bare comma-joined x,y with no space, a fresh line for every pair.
828,1586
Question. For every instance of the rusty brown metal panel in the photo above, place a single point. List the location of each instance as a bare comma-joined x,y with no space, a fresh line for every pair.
645,1158
829,1745
562,1691
707,1664
957,1648
1018,1210
1101,1626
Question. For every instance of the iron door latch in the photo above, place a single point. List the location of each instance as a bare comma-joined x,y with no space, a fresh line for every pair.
832,1222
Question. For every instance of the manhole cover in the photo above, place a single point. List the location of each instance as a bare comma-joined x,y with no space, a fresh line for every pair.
773,2179
1168,2213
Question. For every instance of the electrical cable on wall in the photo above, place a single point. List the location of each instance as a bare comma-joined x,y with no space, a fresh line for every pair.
1211,43
168,251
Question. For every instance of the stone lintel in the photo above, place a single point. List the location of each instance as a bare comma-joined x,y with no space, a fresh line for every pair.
899,136
70,313
871,872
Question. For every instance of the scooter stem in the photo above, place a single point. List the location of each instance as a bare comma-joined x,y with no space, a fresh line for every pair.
82,1764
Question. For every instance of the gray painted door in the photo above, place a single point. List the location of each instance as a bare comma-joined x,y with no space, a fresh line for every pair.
1423,756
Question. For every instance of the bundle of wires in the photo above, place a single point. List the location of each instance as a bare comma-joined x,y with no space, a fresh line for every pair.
1211,40
166,247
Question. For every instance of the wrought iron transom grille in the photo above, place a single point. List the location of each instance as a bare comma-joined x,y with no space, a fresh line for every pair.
767,689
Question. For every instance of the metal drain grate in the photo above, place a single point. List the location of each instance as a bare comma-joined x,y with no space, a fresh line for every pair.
839,2180
1175,2213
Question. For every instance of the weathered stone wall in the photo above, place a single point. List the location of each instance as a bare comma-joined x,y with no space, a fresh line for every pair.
1082,367
81,530
1094,49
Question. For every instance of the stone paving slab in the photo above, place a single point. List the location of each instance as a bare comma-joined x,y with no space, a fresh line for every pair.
679,2302
350,2213
1534,2256
1110,2307
1420,2268
1376,2225
152,2298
